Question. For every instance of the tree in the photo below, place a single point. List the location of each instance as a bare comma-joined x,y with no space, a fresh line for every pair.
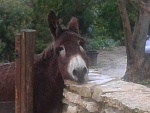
138,63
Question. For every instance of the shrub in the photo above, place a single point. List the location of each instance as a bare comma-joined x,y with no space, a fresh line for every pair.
14,16
100,42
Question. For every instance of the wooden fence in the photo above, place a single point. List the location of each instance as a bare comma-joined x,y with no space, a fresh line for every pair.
24,50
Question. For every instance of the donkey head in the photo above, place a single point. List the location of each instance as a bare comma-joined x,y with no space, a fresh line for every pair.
68,45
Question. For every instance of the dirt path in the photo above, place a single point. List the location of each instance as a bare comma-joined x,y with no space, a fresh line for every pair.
112,62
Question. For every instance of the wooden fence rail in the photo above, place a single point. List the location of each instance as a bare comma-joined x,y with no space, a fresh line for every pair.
24,50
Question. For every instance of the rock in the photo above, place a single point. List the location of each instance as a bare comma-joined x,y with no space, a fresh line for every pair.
72,97
106,96
92,107
72,109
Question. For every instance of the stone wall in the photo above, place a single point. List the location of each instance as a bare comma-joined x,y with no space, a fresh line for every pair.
103,94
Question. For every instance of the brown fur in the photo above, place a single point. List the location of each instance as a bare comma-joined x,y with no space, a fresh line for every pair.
7,82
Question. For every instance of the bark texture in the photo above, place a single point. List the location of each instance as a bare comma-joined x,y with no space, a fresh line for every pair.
138,63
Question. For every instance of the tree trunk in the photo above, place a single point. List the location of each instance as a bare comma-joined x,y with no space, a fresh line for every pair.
138,63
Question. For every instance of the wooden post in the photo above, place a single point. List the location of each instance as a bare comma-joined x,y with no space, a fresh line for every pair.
24,49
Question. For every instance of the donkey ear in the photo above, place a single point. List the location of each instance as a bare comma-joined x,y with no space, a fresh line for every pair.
54,24
73,25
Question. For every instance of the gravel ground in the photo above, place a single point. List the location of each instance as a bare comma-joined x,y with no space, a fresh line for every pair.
112,62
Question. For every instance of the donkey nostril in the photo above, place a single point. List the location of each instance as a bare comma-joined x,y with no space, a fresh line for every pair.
85,70
75,72
80,72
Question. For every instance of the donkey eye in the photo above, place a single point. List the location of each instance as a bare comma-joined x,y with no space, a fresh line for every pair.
61,51
60,48
81,43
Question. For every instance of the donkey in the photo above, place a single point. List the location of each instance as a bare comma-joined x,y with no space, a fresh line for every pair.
65,58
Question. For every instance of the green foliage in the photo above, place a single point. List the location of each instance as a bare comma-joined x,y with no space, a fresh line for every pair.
14,16
39,16
102,16
108,21
65,9
100,42
2,46
99,21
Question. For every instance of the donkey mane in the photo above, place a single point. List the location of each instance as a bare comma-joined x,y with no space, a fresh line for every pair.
47,53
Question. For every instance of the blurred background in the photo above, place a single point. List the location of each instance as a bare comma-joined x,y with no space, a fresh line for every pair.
99,22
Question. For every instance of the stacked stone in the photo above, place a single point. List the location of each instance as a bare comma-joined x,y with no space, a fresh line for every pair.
106,96
78,99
